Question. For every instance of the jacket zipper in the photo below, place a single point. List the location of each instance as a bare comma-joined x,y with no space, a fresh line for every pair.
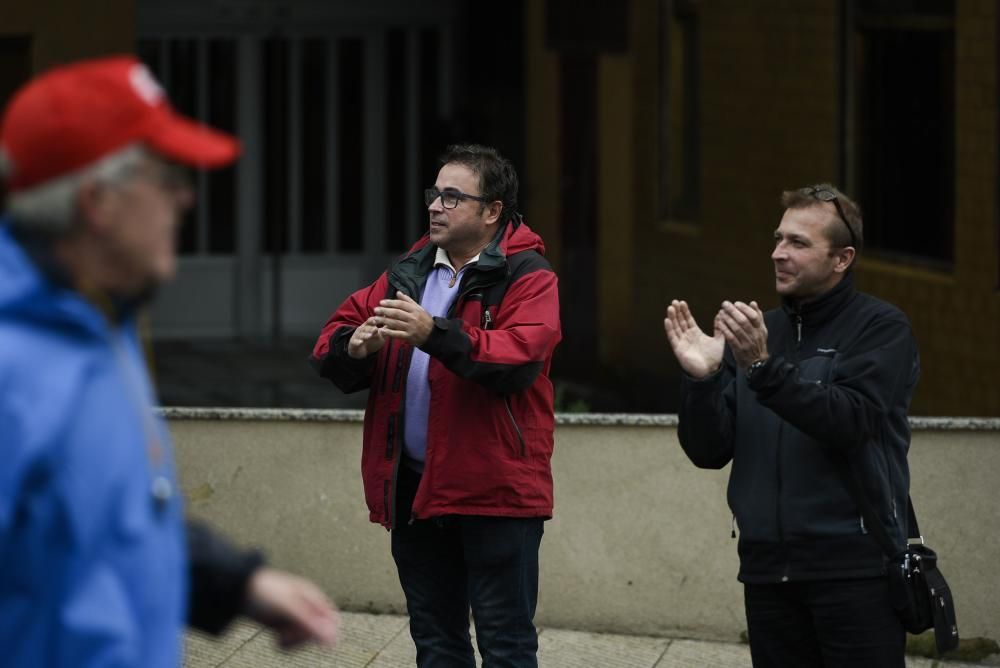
487,319
387,497
390,439
385,366
781,529
157,468
469,287
401,359
398,384
777,506
510,413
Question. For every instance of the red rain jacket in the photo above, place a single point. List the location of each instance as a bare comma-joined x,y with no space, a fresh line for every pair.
491,419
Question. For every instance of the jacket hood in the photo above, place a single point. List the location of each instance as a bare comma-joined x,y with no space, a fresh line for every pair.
28,294
514,237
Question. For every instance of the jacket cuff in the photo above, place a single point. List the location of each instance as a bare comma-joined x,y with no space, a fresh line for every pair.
347,373
437,340
219,573
705,384
769,374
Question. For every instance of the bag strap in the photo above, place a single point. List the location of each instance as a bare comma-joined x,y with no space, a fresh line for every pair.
911,521
872,521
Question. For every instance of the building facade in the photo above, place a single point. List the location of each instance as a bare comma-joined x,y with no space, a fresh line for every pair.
654,138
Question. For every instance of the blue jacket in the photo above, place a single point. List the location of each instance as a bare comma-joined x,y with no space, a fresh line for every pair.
93,569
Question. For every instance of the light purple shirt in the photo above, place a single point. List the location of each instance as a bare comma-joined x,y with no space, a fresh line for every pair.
439,294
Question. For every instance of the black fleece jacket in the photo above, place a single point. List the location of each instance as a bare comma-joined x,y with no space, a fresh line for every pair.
837,385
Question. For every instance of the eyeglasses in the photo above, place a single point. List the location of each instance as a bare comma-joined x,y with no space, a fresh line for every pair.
450,197
827,195
166,174
174,176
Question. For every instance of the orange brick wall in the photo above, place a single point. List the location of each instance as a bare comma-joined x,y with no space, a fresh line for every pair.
65,30
770,105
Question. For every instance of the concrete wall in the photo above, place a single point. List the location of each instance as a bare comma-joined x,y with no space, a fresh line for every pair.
640,542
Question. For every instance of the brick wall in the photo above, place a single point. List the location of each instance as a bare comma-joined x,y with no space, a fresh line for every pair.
66,30
770,120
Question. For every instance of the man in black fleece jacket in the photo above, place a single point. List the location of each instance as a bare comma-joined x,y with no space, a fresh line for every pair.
795,398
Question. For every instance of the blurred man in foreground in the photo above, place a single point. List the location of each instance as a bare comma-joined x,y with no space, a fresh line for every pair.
96,568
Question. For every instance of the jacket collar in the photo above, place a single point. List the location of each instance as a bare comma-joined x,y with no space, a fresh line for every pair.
817,310
35,287
410,272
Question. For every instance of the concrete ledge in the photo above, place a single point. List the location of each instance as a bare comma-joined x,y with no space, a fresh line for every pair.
625,419
640,542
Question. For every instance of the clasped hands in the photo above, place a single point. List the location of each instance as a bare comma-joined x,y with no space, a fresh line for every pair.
738,324
400,318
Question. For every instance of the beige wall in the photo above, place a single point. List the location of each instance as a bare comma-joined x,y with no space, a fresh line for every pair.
640,542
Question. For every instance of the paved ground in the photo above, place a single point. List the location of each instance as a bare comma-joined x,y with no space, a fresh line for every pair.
382,641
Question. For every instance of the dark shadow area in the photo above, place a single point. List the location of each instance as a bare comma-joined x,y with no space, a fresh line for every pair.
244,374
264,375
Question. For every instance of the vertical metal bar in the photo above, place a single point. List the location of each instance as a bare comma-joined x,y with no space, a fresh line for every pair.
333,193
294,182
165,74
847,126
278,81
413,157
201,66
248,294
446,70
374,149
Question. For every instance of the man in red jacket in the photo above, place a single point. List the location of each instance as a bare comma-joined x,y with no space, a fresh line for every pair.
454,343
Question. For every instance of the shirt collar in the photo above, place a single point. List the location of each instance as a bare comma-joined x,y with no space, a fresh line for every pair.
441,257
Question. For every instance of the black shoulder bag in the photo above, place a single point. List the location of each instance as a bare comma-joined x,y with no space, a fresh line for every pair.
918,590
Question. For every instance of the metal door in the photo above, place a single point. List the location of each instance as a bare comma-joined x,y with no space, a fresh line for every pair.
336,103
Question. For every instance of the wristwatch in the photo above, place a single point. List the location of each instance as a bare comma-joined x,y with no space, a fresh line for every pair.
752,369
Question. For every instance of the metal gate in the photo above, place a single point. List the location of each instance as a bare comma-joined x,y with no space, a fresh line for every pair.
336,103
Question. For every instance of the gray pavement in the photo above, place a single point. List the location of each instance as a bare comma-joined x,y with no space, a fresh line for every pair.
383,641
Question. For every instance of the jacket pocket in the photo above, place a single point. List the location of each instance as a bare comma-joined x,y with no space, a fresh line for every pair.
513,423
817,368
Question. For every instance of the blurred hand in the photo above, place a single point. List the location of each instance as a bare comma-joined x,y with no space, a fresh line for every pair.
293,606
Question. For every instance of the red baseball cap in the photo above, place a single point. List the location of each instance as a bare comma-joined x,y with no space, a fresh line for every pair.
74,115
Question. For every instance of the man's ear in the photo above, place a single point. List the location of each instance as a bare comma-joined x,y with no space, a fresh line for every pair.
92,199
494,211
845,258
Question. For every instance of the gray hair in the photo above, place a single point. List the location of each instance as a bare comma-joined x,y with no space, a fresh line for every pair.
50,208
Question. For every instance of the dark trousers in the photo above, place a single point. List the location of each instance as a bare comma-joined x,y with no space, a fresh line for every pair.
824,624
448,565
